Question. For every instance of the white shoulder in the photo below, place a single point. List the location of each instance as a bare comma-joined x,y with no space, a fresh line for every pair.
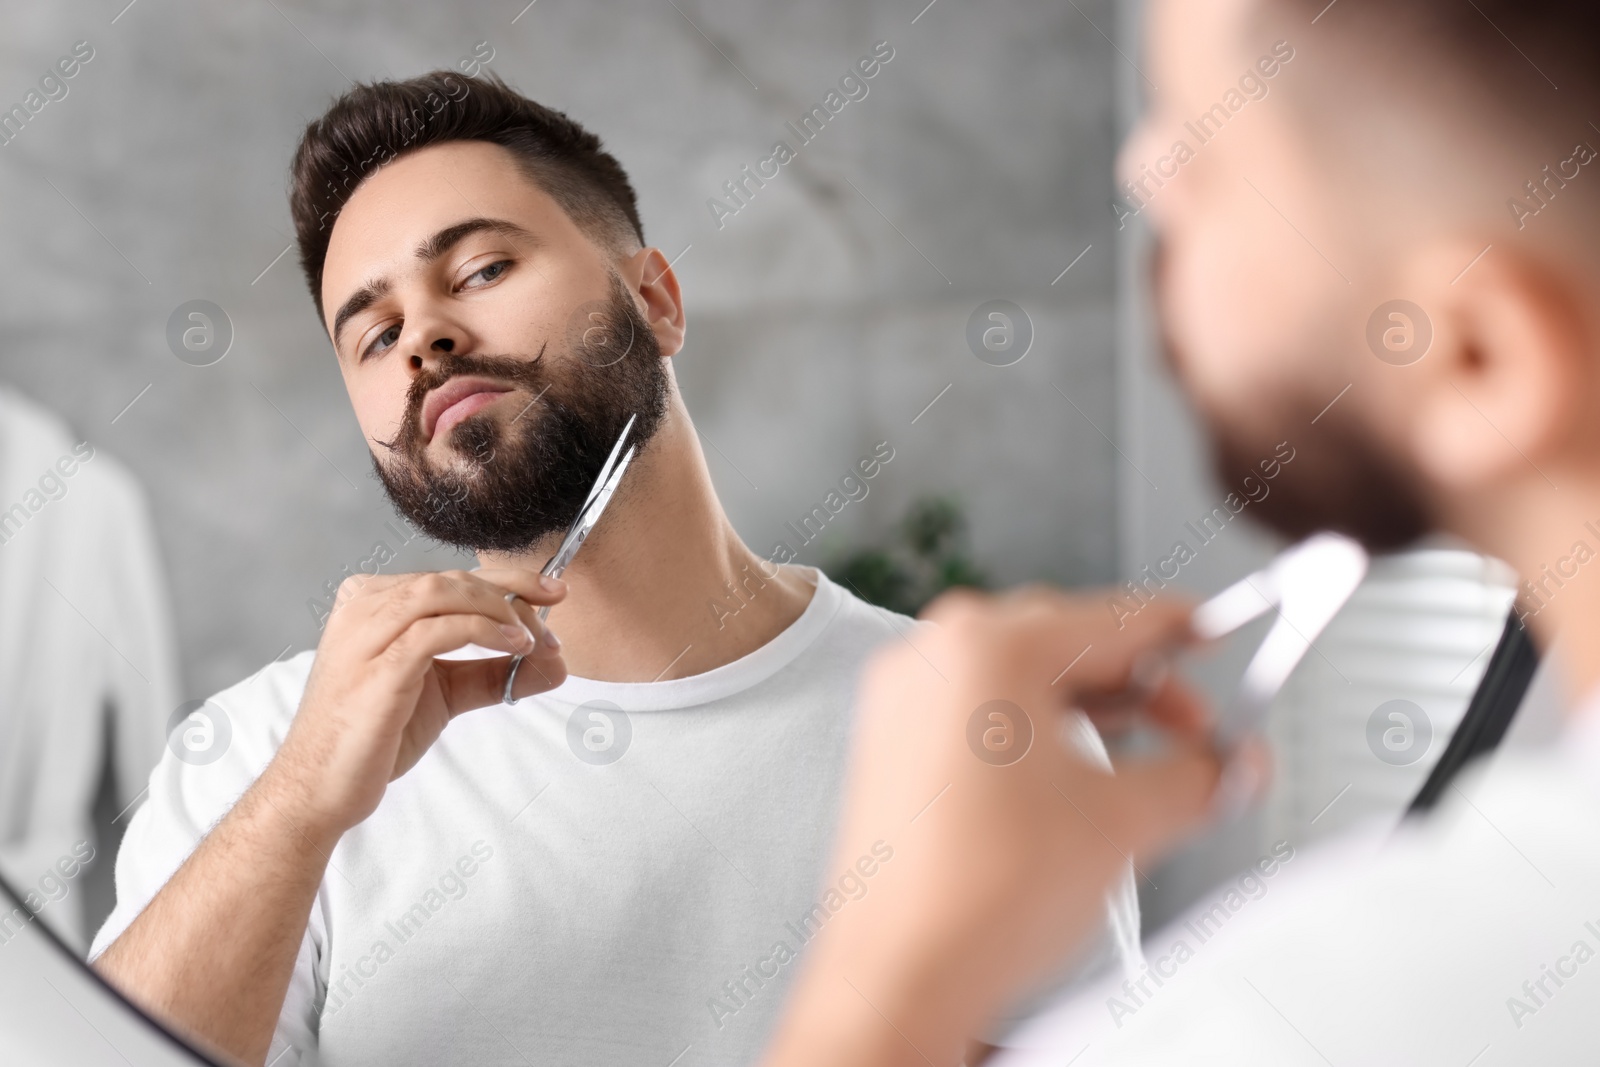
853,612
1425,944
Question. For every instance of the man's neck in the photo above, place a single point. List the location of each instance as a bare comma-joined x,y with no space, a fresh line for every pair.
664,588
1552,539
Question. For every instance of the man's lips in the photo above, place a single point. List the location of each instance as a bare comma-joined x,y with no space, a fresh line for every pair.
455,400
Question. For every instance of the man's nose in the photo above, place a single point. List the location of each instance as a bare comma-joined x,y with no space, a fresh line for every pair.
442,342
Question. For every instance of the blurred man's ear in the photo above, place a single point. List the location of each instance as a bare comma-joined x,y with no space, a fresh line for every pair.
1509,381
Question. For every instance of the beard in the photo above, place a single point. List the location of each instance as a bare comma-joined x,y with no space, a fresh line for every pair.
1341,479
510,486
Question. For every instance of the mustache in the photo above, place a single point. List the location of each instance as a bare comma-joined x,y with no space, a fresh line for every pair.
528,373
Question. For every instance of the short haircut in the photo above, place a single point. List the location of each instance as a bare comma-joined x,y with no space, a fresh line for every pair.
376,123
1521,51
1433,115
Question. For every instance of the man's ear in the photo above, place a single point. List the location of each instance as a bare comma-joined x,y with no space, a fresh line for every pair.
1506,387
648,273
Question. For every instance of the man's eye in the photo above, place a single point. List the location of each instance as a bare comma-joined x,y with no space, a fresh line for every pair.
491,272
387,339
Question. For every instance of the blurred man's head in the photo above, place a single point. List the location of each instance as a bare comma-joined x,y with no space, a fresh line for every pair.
1305,165
480,266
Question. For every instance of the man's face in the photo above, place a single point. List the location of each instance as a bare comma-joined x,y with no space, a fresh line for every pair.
491,350
1258,278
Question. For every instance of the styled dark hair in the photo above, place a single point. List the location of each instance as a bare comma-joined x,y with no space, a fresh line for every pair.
375,123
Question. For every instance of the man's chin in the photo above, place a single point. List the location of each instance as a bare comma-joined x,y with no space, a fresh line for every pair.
469,445
1338,480
450,461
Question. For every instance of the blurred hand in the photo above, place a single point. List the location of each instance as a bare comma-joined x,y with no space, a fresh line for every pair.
1005,840
377,699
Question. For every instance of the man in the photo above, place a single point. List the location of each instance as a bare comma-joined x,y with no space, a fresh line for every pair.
621,870
1414,150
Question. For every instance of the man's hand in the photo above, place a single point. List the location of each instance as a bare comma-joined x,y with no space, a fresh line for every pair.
377,699
1005,840
213,953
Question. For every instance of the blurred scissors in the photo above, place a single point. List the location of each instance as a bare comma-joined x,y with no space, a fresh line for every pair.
1306,585
605,484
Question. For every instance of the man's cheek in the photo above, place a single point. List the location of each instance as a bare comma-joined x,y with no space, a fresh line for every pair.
380,406
1237,321
1192,308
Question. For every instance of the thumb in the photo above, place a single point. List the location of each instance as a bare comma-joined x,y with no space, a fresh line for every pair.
1170,797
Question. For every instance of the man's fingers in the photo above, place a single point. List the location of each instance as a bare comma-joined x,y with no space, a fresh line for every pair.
1072,643
471,684
1178,709
530,585
528,614
1164,799
415,649
1126,654
384,612
517,601
1173,707
479,683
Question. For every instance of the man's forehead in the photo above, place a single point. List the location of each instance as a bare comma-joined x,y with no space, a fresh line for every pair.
407,201
1197,34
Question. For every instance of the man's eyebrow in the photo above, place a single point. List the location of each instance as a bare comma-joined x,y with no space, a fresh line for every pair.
359,301
428,251
450,236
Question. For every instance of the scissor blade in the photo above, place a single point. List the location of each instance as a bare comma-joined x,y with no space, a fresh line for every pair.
602,496
564,553
1242,602
599,496
605,471
586,519
1309,583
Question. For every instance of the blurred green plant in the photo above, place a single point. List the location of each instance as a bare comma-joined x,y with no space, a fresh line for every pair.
927,554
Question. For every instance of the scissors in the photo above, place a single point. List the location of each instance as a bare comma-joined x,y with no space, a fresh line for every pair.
1306,586
605,484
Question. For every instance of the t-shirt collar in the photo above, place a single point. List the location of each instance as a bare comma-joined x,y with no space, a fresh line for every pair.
718,683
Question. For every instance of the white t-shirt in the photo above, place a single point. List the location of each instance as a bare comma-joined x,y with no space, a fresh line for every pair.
561,881
1469,937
